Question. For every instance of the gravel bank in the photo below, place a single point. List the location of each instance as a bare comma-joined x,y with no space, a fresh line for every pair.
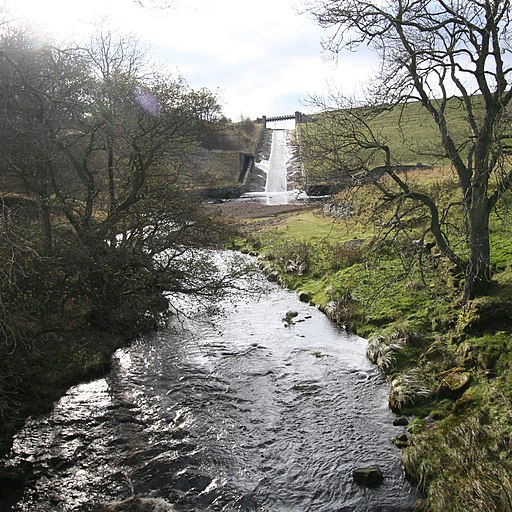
254,210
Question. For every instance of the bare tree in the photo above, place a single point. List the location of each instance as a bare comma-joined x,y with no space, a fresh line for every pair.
441,53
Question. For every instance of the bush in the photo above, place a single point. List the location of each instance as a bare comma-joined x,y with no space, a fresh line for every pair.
339,255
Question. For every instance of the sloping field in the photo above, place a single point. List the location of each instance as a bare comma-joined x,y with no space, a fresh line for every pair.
409,131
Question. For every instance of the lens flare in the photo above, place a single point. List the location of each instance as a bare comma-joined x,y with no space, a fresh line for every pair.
147,102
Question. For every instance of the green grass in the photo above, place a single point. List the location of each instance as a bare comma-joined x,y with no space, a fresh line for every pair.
418,136
409,131
312,225
332,267
501,244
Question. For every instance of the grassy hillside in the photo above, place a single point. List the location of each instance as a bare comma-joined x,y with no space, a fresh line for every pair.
408,130
418,137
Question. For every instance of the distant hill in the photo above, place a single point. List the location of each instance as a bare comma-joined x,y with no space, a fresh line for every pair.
217,163
408,129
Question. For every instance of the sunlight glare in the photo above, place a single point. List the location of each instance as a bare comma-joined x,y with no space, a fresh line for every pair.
69,20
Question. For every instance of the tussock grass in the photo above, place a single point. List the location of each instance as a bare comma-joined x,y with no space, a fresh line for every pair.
412,387
383,351
465,463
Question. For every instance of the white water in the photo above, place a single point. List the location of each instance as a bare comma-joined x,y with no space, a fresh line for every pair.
276,173
276,189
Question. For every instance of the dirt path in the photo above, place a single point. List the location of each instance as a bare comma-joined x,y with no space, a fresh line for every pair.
258,215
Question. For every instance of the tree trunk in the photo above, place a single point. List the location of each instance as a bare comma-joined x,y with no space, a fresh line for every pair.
111,193
111,179
47,227
478,271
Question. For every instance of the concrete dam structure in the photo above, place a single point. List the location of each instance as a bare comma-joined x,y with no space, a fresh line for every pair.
299,117
274,169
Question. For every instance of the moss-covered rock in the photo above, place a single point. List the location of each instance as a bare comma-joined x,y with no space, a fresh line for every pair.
455,379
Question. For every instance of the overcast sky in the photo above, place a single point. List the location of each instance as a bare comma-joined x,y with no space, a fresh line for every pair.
263,57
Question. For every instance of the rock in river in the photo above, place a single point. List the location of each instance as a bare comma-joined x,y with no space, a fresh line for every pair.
400,421
368,477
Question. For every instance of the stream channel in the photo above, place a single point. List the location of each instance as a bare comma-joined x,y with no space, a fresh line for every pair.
239,412
236,412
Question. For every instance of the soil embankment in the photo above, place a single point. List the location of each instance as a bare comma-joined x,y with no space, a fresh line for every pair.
258,215
255,210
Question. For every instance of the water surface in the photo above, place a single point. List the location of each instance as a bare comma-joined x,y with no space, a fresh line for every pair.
243,414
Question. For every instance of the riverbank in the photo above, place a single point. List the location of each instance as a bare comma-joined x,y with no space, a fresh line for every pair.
253,216
244,210
449,366
38,371
34,380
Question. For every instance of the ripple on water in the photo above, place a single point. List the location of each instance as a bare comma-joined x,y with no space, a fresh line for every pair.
246,414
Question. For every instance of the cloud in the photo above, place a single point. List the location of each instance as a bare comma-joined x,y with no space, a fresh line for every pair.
262,56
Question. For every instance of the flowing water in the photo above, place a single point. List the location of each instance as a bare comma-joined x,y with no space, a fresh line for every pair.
276,176
276,170
243,414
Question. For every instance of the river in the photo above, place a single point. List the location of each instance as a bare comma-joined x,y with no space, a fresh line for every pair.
239,412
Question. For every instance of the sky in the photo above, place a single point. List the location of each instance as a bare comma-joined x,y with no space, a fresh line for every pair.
261,57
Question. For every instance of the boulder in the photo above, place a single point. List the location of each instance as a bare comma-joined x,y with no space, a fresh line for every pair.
401,441
304,297
288,318
400,421
368,477
273,276
138,504
455,379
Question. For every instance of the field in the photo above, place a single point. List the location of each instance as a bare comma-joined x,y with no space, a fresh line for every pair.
408,130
